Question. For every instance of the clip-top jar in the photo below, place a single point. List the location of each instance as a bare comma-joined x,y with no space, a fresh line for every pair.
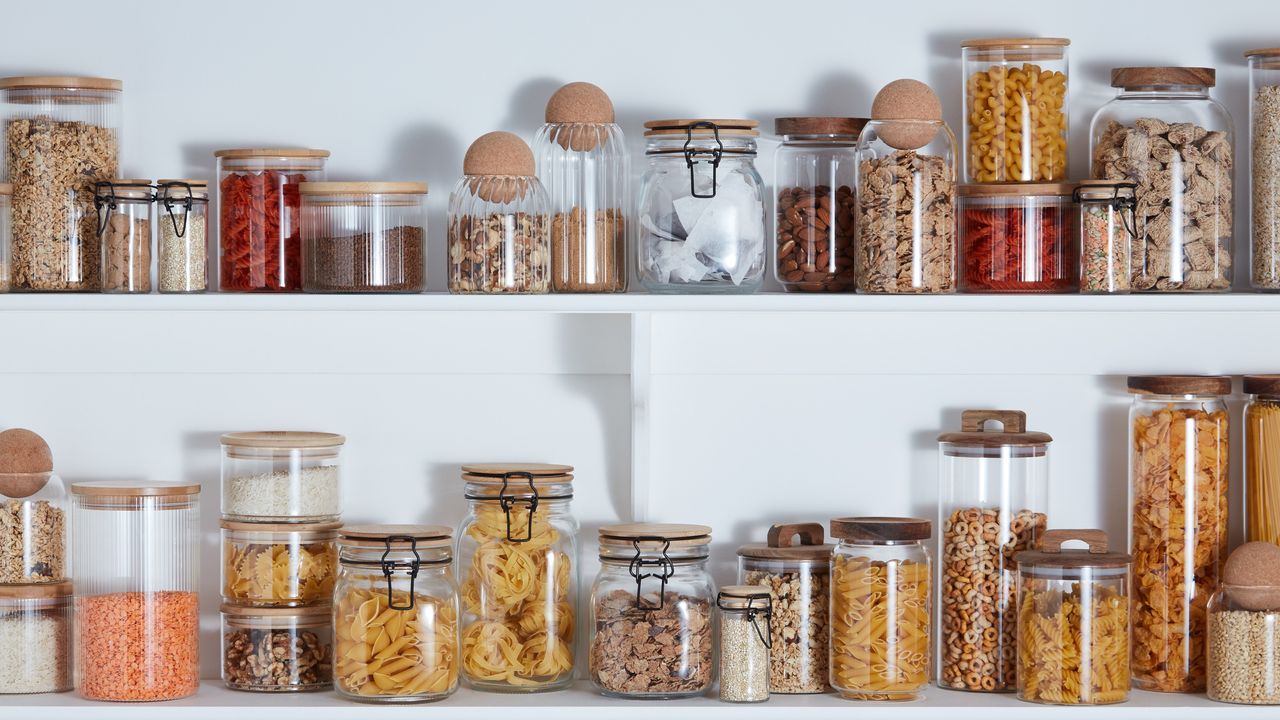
993,493
395,614
1107,233
1262,458
282,476
651,612
182,235
746,635
517,568
125,211
32,516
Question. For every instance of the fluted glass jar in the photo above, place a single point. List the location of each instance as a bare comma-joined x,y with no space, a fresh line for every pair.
517,555
1262,459
35,638
125,211
33,528
364,237
1244,645
702,210
182,235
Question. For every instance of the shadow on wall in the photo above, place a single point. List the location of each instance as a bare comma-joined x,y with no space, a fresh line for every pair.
1113,460
429,151
201,461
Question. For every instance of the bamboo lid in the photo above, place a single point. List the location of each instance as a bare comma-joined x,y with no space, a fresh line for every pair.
997,43
1052,555
1262,52
131,189
1129,77
283,439
377,536
1179,384
781,544
1013,189
180,188
129,488
56,82
312,614
1262,384
499,153
881,529
1013,431
37,591
362,188
273,527
497,472
848,126
682,126
679,535
579,102
742,597
243,153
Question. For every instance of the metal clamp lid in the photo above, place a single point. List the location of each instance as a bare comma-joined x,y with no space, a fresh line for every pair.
753,612
105,196
639,562
162,191
389,568
1116,201
509,500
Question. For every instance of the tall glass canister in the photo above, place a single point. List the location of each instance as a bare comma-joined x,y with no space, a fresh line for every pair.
1262,458
993,495
135,560
1264,167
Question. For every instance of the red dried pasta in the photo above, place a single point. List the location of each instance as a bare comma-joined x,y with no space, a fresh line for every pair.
1002,253
261,241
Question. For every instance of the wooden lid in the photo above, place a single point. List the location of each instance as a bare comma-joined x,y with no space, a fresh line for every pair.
781,543
376,536
1128,77
680,126
362,188
36,591
881,529
499,153
496,472
130,188
55,82
193,182
1051,553
271,527
6,188
1262,52
283,439
1179,384
178,189
129,488
974,432
580,102
740,597
677,534
1017,189
997,43
1262,384
242,153
850,126
314,613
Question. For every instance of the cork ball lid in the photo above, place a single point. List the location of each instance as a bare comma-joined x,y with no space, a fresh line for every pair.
580,102
1253,572
499,153
913,102
25,462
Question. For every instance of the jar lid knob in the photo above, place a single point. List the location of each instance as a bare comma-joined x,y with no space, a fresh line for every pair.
1011,421
913,102
580,102
499,153
784,535
1051,541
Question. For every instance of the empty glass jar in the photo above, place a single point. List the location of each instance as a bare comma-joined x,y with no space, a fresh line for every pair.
183,235
125,213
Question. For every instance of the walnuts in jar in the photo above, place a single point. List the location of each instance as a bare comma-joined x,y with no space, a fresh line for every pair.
275,660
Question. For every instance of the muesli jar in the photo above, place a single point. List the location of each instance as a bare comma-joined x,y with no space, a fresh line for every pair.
1164,133
125,210
62,135
6,229
278,564
277,649
651,612
281,476
1264,167
35,638
33,526
364,237
1018,238
745,637
1262,458
1244,628
701,214
1107,233
183,235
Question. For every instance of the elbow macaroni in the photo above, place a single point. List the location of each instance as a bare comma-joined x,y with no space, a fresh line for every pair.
1017,124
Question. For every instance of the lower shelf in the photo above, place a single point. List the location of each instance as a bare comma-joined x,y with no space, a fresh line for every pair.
215,702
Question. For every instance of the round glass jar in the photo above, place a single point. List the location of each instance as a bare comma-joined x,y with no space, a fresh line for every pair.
6,232
1073,646
795,565
182,235
278,564
1018,238
746,632
1164,126
259,204
1107,233
653,598
364,237
135,558
63,136
1262,459
277,649
815,172
282,476
1244,644
35,638
125,212
1015,110
881,608
33,528
395,614
1178,477
517,569
702,213
1264,167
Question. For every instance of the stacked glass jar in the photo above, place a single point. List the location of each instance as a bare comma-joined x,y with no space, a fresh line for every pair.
281,508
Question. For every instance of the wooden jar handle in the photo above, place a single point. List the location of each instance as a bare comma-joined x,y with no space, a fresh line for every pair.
784,535
1051,540
1012,421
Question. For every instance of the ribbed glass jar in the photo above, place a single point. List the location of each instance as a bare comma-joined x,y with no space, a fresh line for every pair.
499,238
364,237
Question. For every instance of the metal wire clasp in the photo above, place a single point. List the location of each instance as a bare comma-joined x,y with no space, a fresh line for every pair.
1116,202
101,200
389,568
508,500
639,562
753,613
691,154
186,207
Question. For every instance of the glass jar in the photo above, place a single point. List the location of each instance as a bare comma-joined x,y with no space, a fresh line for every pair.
395,614
1244,644
1073,645
517,567
1262,458
136,563
1107,233
1177,523
278,564
32,521
746,632
62,137
1018,238
125,210
583,161
701,214
1162,127
6,230
35,638
1264,167
881,608
1015,110
815,170
906,208
651,621
993,494
364,237
277,649
799,579
282,476
183,235
259,233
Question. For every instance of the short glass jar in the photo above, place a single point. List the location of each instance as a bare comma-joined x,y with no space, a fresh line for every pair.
702,210
364,237
278,564
183,235
1107,233
1264,167
1244,645
653,598
1018,238
1262,459
282,476
277,649
6,232
35,638
746,632
125,215
395,614
33,528
1166,134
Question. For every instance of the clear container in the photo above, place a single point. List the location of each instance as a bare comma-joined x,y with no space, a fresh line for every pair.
1264,167
1073,645
1107,233
395,614
1244,645
259,204
62,136
1177,523
277,649
746,634
1162,127
1018,238
125,211
33,528
795,565
1015,110
651,612
1262,459
815,172
906,208
517,567
881,608
6,232
136,561
993,494
35,638
282,476
702,209
275,565
583,161
364,237
182,235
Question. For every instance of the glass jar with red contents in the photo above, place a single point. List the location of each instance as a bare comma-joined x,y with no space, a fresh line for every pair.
1018,238
259,202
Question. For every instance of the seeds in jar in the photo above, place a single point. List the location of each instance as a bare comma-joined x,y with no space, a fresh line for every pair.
309,492
589,259
657,651
906,224
126,243
276,659
1243,663
183,261
32,542
1265,143
815,238
744,659
35,651
798,656
391,260
1104,251
499,253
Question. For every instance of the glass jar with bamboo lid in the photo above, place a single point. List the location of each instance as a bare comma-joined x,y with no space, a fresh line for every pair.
1262,458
